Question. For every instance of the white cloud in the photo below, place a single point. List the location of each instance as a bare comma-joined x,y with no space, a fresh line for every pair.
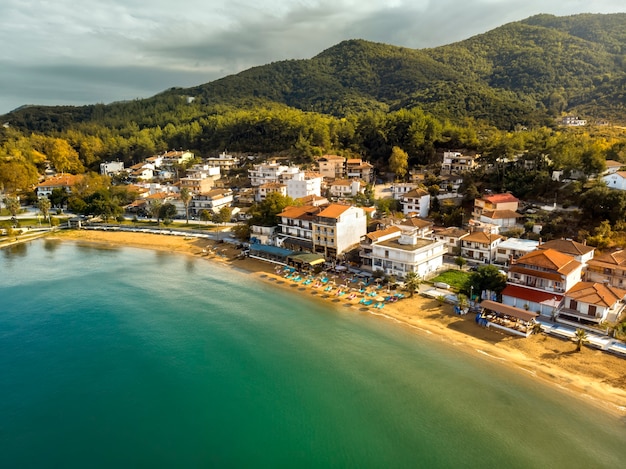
68,52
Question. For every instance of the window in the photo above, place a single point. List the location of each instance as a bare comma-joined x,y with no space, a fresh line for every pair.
592,310
573,304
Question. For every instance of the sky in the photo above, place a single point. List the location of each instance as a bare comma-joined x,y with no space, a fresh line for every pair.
75,52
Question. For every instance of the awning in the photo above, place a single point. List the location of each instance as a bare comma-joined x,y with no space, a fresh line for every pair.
307,258
508,310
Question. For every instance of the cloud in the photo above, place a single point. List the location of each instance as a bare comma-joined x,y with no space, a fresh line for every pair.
106,50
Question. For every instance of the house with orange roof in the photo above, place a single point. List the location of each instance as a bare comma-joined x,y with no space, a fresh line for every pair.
581,252
313,200
63,181
341,188
416,201
538,280
590,303
423,228
452,237
496,210
337,229
295,227
609,268
480,246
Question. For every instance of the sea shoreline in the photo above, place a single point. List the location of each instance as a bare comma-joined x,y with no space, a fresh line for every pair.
593,376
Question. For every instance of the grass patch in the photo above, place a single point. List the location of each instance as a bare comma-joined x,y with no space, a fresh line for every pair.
455,278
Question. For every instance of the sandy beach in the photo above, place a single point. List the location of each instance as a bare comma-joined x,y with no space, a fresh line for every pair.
596,377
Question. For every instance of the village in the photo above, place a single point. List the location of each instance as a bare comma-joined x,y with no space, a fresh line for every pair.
562,285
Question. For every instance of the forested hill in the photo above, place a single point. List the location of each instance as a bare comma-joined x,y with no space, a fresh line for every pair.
524,73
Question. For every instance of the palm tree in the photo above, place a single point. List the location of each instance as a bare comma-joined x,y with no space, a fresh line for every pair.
412,282
155,207
463,302
185,197
580,338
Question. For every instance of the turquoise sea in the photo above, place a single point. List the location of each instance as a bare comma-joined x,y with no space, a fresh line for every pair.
134,358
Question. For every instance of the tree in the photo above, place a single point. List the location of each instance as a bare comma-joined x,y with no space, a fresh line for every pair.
13,205
265,213
460,261
154,209
487,277
225,215
167,211
398,162
185,197
412,282
44,207
580,338
205,215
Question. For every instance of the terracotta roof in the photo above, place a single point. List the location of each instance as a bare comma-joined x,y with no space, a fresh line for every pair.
500,198
528,294
416,222
596,294
343,182
415,193
62,180
536,273
567,246
272,185
333,211
376,235
613,164
617,258
452,232
299,212
550,259
482,237
500,214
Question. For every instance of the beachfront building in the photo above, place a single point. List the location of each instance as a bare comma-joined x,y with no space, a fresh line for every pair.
342,188
338,228
592,303
416,201
213,201
538,280
303,184
452,237
480,246
269,188
581,252
329,230
455,162
509,319
608,268
398,250
64,182
295,227
331,166
513,248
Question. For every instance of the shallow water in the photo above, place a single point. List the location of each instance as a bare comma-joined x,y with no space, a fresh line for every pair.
125,357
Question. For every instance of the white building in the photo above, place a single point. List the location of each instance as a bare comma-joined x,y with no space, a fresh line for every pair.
213,201
452,237
270,172
223,161
416,202
111,168
455,162
400,189
480,246
397,251
592,303
303,184
341,188
616,180
513,248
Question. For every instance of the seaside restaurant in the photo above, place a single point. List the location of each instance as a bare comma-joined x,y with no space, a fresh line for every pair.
506,318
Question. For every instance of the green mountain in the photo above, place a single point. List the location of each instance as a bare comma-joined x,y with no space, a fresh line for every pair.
522,73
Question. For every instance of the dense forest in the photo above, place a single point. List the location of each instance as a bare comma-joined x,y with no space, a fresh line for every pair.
497,94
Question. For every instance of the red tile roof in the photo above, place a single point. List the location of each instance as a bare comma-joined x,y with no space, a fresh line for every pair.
500,198
528,294
596,294
550,259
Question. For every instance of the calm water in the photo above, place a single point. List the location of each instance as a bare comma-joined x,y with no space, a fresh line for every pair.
133,358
